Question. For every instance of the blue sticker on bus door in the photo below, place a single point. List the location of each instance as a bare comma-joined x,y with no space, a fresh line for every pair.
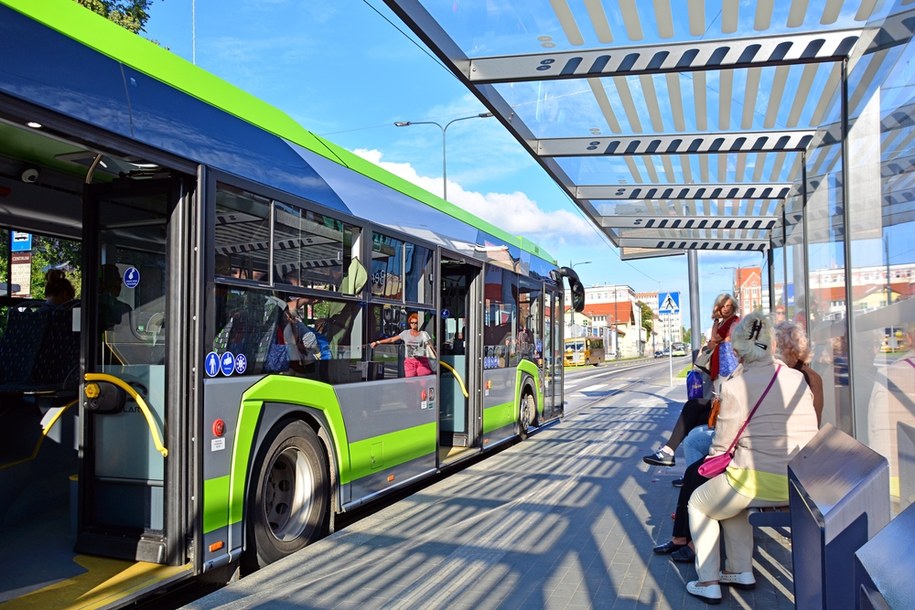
241,363
211,364
131,277
227,363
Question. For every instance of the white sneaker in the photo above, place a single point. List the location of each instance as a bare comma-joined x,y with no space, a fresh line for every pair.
710,594
741,580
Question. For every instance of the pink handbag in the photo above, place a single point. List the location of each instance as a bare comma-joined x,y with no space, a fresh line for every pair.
716,464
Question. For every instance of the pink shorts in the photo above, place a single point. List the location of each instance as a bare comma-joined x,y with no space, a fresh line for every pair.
414,367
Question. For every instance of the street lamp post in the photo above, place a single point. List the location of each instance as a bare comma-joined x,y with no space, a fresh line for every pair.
572,265
482,115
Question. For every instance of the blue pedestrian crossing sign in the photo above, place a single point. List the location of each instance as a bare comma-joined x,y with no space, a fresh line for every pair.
668,302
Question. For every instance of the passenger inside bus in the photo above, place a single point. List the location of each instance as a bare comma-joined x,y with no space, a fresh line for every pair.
111,308
58,289
419,348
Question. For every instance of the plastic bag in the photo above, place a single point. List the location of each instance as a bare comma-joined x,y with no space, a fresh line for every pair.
694,386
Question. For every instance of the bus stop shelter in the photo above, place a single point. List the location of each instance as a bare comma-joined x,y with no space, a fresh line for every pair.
685,126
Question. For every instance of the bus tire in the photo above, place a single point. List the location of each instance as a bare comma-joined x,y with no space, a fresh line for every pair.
527,413
290,501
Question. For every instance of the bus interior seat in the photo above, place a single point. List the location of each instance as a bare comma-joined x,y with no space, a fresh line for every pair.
57,359
26,325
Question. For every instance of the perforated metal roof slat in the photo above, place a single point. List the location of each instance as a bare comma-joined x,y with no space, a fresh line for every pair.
621,192
650,220
671,57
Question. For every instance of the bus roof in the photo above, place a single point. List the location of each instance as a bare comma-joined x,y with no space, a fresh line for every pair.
103,36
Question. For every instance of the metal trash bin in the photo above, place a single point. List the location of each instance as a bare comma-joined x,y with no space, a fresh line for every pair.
883,574
839,494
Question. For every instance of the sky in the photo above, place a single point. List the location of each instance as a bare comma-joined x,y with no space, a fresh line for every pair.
348,69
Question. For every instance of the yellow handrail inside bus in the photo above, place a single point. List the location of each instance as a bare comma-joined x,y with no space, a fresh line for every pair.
44,433
147,413
456,376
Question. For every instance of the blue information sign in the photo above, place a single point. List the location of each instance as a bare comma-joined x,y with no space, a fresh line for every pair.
131,277
227,363
211,364
22,242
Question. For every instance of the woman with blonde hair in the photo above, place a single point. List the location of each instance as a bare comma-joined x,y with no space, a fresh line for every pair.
783,421
724,316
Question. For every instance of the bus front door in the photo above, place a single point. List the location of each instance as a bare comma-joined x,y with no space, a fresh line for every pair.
553,353
132,506
458,404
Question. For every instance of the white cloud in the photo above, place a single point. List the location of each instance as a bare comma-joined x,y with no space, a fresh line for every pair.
513,212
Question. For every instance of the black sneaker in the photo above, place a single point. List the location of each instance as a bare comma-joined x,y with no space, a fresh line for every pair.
659,458
677,482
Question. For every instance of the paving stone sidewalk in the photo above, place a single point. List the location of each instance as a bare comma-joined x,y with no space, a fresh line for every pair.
566,519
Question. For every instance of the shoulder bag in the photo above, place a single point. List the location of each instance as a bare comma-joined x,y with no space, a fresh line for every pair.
716,464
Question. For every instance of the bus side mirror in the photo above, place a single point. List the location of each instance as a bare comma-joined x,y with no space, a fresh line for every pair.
575,285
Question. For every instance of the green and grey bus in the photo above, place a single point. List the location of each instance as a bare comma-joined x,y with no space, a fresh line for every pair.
211,394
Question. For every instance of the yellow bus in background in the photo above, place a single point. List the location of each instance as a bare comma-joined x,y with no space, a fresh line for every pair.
584,350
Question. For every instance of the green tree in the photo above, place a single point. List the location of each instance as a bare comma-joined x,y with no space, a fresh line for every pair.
647,316
687,334
129,14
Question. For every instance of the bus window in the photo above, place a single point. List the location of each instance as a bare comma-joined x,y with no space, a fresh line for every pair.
242,233
387,267
530,341
389,321
499,311
320,340
314,251
418,274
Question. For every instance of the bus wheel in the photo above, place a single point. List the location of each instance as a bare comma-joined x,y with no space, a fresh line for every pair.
527,412
289,506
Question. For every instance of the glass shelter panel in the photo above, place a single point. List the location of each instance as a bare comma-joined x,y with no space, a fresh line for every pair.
880,177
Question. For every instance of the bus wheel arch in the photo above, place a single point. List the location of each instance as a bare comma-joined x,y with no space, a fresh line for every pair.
527,408
289,500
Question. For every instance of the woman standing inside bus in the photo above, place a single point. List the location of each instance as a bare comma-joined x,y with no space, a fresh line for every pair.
418,348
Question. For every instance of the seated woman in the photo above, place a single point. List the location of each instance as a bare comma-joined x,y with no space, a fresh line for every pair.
694,413
783,423
794,350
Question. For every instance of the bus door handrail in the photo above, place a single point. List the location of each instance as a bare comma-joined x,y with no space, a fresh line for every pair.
456,376
147,412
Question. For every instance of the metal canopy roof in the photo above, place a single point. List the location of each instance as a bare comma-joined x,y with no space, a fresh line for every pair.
672,124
